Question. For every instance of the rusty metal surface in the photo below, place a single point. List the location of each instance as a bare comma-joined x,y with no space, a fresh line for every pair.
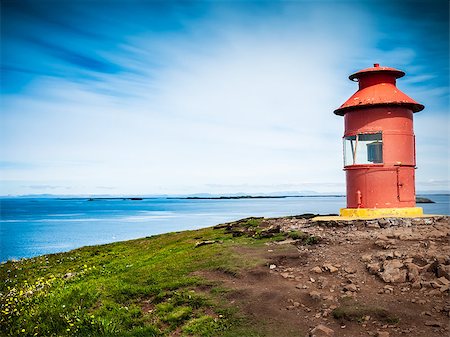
377,86
376,68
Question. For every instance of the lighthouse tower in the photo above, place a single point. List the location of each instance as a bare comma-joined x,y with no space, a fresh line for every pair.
379,146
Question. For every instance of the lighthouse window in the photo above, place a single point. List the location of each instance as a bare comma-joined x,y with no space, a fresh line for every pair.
363,148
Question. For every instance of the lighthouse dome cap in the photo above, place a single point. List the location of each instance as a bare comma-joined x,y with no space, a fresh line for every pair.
376,68
377,87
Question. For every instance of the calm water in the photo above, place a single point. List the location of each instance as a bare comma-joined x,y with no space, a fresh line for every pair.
31,227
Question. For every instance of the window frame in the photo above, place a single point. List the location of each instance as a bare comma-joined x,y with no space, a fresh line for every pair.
350,138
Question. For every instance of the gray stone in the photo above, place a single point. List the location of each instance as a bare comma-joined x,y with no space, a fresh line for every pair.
392,272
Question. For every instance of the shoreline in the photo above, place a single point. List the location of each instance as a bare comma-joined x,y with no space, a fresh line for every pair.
214,279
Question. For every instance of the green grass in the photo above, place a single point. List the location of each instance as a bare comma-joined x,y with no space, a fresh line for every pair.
144,287
353,312
251,222
297,235
305,238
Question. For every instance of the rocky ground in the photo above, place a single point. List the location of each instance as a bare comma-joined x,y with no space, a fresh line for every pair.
385,277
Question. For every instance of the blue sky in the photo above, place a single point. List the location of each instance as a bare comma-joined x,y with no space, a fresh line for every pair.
151,97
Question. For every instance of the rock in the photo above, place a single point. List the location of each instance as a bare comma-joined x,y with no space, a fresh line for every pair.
413,272
322,282
287,275
349,270
382,334
444,288
384,223
388,289
316,269
425,284
385,244
373,268
416,285
329,298
315,295
443,280
270,231
293,305
392,272
433,292
435,284
372,224
366,258
382,237
272,266
204,243
443,259
350,287
443,271
435,324
321,331
69,276
329,267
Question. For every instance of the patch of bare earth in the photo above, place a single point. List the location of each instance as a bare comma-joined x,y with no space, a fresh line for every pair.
386,277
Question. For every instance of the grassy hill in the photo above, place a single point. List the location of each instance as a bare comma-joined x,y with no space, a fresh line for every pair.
144,287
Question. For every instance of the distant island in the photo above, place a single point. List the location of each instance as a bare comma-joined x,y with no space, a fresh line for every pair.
256,197
423,200
212,197
419,200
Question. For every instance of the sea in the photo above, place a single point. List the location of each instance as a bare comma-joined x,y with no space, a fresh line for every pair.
31,227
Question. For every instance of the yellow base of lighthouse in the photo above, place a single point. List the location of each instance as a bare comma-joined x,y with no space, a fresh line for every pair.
403,212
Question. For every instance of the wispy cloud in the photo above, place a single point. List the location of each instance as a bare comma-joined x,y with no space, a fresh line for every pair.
85,61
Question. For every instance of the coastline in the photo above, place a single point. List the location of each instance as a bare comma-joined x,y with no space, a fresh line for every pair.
31,231
210,282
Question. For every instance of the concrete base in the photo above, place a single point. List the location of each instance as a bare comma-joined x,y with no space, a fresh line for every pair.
404,212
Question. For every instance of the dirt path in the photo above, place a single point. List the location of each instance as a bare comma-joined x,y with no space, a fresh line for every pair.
387,277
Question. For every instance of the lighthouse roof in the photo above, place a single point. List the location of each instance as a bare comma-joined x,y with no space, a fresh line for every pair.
377,87
376,69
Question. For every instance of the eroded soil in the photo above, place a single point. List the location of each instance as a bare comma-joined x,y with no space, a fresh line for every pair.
387,277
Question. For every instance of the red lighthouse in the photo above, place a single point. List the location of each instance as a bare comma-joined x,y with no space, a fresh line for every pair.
379,146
